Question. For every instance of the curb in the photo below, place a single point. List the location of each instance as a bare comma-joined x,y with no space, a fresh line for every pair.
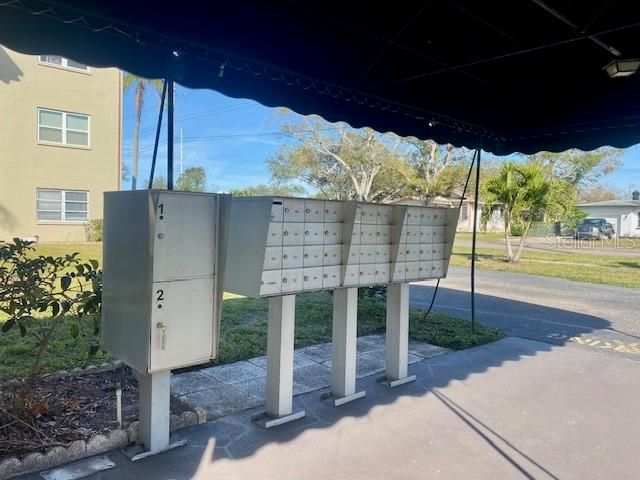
79,449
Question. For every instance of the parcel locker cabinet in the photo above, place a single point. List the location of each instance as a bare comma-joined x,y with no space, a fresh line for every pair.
161,294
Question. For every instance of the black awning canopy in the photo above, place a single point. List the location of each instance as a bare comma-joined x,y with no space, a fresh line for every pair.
519,75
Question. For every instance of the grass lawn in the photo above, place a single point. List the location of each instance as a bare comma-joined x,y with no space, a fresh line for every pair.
622,271
244,327
488,236
244,333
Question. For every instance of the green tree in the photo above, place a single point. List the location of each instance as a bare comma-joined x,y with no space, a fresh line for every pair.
139,85
341,162
526,194
269,190
436,169
577,167
599,192
159,183
193,179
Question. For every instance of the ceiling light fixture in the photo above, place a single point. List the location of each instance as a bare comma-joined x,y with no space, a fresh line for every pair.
622,67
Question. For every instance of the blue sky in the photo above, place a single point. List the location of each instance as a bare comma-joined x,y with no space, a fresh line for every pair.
233,138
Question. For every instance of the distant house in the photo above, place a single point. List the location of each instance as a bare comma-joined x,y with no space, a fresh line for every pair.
465,220
59,145
624,215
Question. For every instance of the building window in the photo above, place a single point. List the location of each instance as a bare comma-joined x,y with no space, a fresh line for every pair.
63,128
59,61
62,205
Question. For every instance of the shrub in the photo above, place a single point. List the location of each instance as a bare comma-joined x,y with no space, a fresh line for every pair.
94,230
38,292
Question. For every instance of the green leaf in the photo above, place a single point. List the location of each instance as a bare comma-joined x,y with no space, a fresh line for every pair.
94,264
55,307
93,349
74,331
65,283
80,269
23,330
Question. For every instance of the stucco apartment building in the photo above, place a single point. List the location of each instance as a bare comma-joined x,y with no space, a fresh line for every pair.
59,145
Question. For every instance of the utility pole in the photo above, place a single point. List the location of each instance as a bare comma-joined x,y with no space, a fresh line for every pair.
181,152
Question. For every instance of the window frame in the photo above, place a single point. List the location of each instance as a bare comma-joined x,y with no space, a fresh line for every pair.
64,129
63,202
64,66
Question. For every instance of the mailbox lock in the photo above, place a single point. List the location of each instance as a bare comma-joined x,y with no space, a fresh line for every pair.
308,210
306,278
285,256
284,280
163,328
286,209
306,232
326,276
286,233
306,255
326,232
161,236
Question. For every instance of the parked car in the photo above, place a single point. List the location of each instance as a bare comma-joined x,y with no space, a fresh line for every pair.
597,228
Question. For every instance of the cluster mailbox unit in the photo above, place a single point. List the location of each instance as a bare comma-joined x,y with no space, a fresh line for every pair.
168,257
282,246
163,270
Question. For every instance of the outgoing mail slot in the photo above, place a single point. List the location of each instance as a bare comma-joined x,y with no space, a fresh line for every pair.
332,255
313,233
313,211
368,234
293,210
332,211
367,254
277,210
312,278
427,216
333,233
292,233
291,280
331,276
273,258
384,215
274,236
292,257
383,253
426,234
271,283
313,256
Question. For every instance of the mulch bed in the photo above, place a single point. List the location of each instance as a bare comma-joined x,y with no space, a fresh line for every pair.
63,409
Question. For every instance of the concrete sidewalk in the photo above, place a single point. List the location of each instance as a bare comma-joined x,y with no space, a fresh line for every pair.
512,409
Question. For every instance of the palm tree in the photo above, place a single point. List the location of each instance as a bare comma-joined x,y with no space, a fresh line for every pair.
526,194
140,85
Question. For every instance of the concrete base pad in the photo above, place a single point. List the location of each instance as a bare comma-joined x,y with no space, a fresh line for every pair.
266,421
337,401
137,452
396,383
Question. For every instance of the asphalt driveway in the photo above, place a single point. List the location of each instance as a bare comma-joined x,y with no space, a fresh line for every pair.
598,317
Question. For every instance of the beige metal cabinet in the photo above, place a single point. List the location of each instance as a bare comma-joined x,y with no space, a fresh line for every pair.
162,277
330,244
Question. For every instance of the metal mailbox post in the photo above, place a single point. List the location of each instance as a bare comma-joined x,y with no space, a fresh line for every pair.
162,290
282,246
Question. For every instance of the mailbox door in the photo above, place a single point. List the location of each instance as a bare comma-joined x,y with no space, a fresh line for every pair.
332,212
332,255
273,258
293,210
313,256
184,238
181,323
313,211
271,282
292,233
